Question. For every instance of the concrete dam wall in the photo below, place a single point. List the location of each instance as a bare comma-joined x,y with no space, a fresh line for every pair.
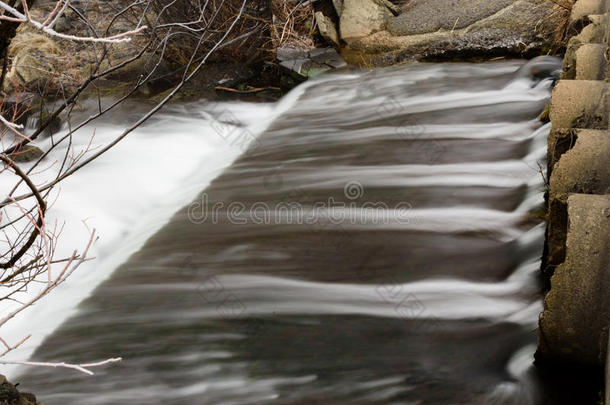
574,325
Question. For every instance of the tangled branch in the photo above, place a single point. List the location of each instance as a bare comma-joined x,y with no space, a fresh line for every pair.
83,368
29,268
47,25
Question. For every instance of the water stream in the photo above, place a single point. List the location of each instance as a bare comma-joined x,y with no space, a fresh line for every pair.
373,238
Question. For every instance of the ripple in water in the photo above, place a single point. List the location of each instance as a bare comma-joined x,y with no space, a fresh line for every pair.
289,288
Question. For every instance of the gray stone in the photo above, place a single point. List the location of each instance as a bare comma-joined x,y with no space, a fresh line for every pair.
390,6
34,57
286,53
433,30
574,324
310,64
361,18
328,57
431,15
63,24
327,28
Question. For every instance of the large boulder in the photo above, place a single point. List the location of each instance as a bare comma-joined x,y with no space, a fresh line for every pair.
432,15
36,61
327,28
360,18
434,29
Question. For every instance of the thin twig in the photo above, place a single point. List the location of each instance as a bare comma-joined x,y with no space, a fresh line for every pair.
83,368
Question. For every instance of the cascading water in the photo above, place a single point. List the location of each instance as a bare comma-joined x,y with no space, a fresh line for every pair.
377,243
125,196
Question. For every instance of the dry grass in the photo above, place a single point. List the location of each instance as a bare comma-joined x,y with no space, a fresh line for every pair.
33,56
265,26
292,24
248,42
53,66
33,40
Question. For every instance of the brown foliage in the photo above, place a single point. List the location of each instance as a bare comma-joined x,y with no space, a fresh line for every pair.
247,43
292,23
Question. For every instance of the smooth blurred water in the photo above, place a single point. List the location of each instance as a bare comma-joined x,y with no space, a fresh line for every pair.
376,242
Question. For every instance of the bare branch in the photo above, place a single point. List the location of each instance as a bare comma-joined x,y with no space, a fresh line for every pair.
61,277
29,269
83,368
48,28
13,127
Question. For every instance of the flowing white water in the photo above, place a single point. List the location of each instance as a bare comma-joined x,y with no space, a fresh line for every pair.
128,194
337,310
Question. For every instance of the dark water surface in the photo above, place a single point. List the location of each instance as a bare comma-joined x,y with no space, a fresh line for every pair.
377,244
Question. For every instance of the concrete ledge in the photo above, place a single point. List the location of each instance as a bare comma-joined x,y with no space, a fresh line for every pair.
583,8
580,104
574,324
592,62
582,168
596,32
573,328
585,61
589,30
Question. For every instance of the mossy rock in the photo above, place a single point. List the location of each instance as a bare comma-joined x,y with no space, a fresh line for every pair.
27,154
8,393
464,30
36,58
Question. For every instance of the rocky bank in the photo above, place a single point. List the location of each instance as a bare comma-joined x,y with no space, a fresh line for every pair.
10,395
364,32
379,32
